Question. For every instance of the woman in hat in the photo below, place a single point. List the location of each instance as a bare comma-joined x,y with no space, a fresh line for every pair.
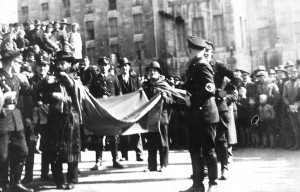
62,130
157,136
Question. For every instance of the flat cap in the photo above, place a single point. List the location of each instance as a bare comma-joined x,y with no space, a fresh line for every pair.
196,43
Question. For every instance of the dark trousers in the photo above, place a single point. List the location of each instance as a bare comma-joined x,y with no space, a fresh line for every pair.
57,172
221,141
113,144
158,141
201,144
135,140
31,141
13,149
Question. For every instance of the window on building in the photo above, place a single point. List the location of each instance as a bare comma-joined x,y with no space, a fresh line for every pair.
114,51
137,2
198,27
90,32
45,11
24,11
138,50
91,53
218,30
138,23
180,36
113,27
66,8
89,8
112,4
264,38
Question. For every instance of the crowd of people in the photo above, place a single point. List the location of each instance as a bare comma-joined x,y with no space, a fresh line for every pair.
222,108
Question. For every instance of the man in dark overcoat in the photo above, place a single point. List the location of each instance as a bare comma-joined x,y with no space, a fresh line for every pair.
203,115
63,126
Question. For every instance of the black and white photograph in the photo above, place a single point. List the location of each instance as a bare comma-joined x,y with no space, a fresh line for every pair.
149,95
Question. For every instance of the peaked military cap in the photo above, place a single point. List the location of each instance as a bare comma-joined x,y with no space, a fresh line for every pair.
65,56
196,43
9,55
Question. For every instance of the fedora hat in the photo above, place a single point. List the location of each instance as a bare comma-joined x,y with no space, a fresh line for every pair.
63,21
103,61
155,65
289,64
123,61
65,56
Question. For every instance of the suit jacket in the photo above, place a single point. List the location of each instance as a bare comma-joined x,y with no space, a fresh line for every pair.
290,91
200,84
132,85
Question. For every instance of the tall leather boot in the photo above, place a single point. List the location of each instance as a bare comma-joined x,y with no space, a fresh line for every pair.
212,166
15,178
198,170
29,167
114,153
297,144
223,155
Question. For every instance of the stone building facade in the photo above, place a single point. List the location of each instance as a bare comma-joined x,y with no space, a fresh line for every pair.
223,22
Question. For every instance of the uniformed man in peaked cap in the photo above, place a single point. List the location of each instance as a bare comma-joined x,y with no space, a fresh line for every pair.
203,113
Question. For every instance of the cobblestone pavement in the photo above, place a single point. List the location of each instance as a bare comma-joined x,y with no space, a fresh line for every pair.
253,170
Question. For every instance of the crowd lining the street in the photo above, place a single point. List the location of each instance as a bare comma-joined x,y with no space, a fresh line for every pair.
262,106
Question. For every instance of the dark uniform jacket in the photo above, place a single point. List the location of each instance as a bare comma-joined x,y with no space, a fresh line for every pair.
200,84
101,85
10,120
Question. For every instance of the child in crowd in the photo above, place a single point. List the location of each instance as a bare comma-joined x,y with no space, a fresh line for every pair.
242,106
22,43
266,115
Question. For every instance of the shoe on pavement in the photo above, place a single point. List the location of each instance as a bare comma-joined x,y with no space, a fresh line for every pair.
150,170
70,186
61,186
19,188
95,168
162,169
195,189
117,165
224,174
212,188
124,159
139,158
27,179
